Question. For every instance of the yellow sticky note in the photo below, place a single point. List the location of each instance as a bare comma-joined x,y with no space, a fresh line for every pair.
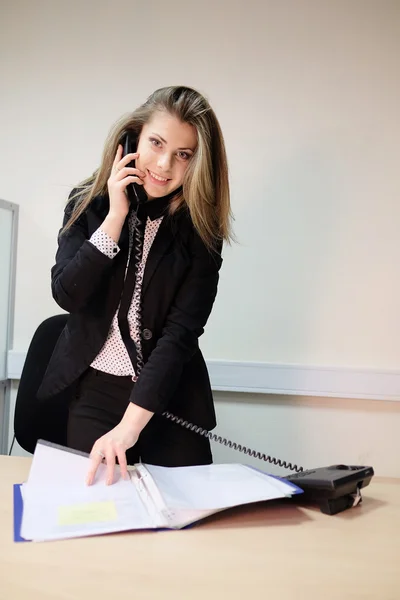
90,512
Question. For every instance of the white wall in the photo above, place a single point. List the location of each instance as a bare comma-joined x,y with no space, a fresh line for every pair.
307,93
311,432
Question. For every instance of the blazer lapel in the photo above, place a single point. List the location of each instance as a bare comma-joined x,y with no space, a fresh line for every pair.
159,247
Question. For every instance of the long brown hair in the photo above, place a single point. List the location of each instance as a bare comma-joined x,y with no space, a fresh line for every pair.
205,188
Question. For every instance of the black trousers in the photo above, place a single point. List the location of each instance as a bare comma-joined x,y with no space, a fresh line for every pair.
99,405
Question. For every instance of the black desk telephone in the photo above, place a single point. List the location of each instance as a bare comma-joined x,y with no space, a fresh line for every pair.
333,488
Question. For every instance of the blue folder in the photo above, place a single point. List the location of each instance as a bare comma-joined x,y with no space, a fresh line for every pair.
18,509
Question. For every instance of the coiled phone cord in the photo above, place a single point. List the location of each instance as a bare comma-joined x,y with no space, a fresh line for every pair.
179,421
225,442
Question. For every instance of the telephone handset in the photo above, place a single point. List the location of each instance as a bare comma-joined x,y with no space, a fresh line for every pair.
134,191
334,488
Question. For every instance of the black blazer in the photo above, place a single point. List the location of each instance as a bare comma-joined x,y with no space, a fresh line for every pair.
179,288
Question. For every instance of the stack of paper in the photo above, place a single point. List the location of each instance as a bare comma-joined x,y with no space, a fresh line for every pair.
57,504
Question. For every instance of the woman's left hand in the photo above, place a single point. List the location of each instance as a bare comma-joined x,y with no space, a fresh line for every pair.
110,446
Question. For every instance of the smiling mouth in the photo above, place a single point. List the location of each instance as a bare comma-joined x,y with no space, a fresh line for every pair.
157,177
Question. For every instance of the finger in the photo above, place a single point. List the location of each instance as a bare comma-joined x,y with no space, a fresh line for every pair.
125,171
96,459
118,155
122,463
131,179
125,160
110,460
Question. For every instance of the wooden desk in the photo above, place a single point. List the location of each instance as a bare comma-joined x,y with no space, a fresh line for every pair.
273,551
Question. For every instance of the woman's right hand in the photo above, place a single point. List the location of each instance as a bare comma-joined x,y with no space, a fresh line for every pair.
120,177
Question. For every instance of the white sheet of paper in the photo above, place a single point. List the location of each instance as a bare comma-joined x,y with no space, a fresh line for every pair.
174,518
58,504
59,512
58,466
217,486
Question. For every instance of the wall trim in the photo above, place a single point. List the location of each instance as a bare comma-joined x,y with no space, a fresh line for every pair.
279,379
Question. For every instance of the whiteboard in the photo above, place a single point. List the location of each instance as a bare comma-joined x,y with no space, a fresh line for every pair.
8,237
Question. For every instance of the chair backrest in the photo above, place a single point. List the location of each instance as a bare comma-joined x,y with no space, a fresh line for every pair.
41,419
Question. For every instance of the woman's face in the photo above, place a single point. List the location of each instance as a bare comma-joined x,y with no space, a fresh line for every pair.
165,147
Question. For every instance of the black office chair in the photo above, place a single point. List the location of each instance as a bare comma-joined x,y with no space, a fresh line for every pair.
41,419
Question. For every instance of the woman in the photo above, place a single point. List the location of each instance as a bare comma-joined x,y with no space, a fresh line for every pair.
139,280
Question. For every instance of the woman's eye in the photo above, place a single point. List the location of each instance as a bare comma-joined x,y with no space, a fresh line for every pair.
184,155
155,142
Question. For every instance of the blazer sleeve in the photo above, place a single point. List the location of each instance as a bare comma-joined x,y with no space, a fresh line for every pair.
79,265
185,323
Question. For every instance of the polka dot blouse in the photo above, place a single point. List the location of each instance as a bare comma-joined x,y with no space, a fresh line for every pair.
113,357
